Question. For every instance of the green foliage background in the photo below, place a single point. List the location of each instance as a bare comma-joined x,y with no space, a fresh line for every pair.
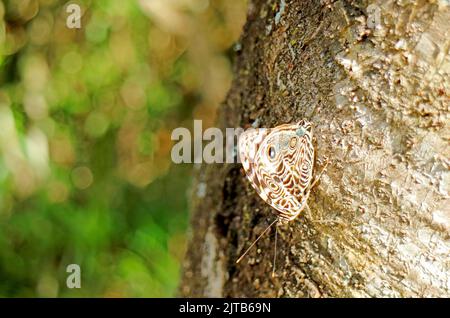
85,122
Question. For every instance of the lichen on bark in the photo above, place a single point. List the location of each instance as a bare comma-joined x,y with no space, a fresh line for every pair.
378,95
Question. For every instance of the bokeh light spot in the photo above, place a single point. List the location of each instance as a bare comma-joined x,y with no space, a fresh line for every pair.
72,62
96,124
82,177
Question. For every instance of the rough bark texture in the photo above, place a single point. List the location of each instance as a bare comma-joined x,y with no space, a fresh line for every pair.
379,100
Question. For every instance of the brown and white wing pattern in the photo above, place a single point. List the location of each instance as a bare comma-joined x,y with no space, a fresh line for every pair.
279,163
248,145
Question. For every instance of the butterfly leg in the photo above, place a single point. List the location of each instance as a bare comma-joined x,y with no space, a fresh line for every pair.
254,242
316,179
308,211
275,252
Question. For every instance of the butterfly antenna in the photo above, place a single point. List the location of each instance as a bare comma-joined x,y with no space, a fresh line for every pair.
275,254
254,242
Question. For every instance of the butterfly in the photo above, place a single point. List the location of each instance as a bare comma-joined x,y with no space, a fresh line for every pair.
279,162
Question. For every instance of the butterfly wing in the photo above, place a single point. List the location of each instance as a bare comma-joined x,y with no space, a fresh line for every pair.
281,180
248,145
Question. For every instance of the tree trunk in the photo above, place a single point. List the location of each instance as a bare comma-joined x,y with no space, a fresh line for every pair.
373,78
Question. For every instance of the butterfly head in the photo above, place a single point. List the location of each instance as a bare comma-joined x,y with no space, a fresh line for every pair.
304,127
284,141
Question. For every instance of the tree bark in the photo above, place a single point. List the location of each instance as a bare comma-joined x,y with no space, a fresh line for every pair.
377,91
